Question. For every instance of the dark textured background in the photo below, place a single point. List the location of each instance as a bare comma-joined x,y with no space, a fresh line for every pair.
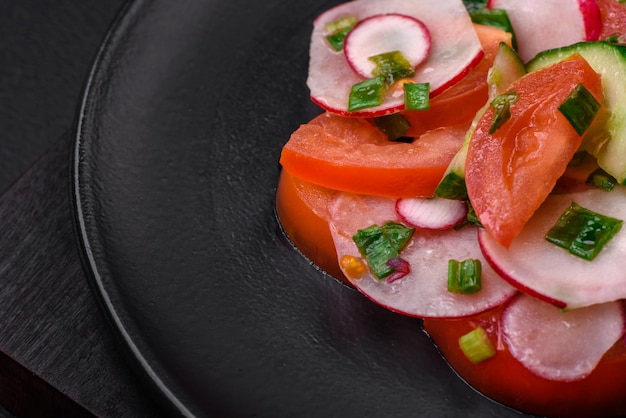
46,49
57,355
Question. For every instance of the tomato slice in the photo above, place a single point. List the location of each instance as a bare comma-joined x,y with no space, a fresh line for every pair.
613,16
505,380
302,210
509,173
351,154
459,104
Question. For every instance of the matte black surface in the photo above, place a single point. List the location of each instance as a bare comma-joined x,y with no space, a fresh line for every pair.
175,173
58,356
46,50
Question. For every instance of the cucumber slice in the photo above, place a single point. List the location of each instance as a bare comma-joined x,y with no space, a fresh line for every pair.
507,67
606,141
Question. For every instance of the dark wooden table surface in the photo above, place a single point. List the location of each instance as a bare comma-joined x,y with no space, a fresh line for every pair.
58,356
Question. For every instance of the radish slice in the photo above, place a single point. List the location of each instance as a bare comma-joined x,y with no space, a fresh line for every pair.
560,345
538,24
454,51
548,272
592,18
423,292
386,33
431,213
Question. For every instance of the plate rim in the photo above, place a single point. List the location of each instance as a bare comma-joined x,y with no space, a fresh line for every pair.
127,16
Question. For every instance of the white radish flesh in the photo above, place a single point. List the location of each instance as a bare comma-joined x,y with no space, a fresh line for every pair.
455,49
381,34
560,345
541,24
550,273
431,213
423,292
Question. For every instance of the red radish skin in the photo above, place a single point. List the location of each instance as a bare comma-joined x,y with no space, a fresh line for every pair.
431,213
548,272
455,50
423,292
386,33
510,171
536,334
592,18
601,394
540,24
506,381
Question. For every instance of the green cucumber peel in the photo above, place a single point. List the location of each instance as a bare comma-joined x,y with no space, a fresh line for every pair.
606,140
507,67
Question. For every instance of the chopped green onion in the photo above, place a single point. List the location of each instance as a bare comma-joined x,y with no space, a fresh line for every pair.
379,244
416,96
341,24
583,232
394,125
498,18
471,215
397,234
337,39
338,29
601,179
464,277
473,5
366,94
391,66
615,38
477,346
502,106
452,186
578,158
580,108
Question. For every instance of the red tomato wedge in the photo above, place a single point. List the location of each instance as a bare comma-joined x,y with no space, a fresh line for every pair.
505,380
459,103
302,209
509,173
613,17
352,155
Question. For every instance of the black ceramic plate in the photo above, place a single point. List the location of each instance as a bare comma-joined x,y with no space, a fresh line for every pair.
178,140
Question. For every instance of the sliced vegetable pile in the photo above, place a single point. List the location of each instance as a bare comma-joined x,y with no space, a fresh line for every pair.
469,169
386,41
